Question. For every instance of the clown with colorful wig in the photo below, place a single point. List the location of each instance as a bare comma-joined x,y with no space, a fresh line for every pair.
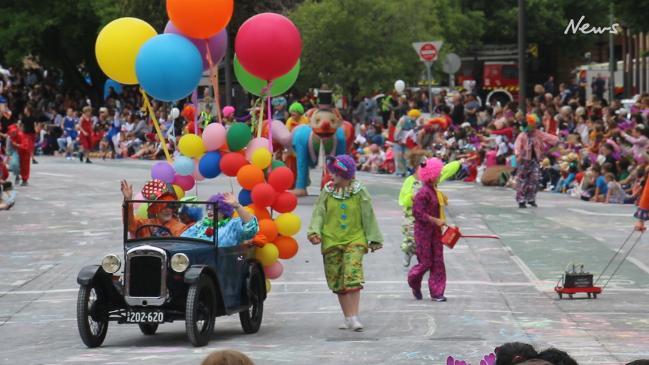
428,213
530,148
161,219
345,226
230,231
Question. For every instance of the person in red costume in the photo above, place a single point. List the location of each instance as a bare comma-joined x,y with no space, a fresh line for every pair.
642,214
86,132
21,144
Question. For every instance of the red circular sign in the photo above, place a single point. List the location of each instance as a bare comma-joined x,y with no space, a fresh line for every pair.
428,52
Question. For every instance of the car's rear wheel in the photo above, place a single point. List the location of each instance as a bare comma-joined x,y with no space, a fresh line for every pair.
200,311
252,317
148,329
92,315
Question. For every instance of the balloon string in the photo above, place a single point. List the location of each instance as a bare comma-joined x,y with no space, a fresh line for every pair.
147,105
270,119
260,123
195,102
215,81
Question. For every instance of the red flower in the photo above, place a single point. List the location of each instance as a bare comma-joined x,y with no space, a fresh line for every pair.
209,232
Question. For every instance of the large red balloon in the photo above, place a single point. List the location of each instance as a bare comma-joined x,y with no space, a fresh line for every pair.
281,178
232,162
287,247
263,195
268,45
200,19
285,202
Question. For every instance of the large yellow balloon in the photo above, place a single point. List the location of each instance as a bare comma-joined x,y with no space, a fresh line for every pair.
288,224
191,145
117,47
262,158
268,254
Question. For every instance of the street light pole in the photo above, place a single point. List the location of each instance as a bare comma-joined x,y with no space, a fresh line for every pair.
522,50
429,80
611,63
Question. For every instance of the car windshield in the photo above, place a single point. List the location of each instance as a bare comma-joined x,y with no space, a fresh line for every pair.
170,219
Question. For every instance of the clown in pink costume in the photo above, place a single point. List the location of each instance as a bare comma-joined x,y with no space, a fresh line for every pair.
428,234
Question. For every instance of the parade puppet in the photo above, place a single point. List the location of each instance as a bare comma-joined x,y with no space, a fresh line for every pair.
327,130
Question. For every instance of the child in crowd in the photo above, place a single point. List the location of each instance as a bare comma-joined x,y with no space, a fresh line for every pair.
344,224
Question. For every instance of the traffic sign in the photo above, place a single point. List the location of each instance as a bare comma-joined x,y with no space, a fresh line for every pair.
452,63
427,51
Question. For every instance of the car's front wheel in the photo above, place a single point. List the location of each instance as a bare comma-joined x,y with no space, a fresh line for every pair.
200,311
252,317
148,329
92,315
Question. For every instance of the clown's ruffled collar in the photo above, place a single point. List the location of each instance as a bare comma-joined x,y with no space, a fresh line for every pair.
346,192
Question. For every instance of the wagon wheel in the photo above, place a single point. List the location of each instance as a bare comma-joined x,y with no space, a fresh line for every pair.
92,315
560,296
588,295
595,295
252,317
570,295
200,311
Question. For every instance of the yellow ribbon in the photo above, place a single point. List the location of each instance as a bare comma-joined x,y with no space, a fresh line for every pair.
149,108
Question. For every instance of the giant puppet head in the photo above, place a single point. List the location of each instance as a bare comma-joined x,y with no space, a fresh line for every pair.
325,119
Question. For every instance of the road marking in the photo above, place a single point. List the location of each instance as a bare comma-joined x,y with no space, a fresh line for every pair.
586,212
528,273
52,174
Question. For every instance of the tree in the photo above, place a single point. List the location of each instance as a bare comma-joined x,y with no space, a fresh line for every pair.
59,33
365,45
633,13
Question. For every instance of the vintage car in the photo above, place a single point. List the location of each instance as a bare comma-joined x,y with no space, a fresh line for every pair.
167,278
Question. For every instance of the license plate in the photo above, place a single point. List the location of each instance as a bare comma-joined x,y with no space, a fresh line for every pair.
144,317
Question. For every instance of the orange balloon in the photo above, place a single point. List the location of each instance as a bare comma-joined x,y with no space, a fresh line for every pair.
259,212
287,247
200,19
268,228
249,176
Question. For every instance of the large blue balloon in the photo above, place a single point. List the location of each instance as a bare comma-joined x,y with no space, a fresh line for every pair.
169,67
209,165
244,197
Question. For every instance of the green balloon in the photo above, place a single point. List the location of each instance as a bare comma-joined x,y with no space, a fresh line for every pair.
238,136
277,164
449,170
255,85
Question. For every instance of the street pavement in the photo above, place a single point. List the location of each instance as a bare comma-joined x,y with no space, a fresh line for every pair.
498,290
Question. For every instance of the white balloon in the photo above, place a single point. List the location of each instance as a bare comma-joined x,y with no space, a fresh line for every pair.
399,86
175,113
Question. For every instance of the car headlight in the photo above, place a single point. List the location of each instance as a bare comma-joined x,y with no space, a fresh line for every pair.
111,263
179,262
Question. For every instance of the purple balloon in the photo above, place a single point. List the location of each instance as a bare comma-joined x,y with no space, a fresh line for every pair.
218,44
163,171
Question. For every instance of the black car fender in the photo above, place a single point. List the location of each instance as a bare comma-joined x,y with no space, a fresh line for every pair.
195,272
87,274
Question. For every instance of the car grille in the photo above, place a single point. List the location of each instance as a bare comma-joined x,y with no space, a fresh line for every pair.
145,278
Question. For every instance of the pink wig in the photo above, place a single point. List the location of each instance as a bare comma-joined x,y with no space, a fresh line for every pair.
228,111
430,170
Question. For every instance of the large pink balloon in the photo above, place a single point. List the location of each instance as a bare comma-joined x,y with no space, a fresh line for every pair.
218,44
139,196
185,182
268,45
214,136
274,271
197,174
281,134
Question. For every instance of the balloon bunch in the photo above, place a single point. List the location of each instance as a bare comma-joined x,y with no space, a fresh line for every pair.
169,67
264,182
